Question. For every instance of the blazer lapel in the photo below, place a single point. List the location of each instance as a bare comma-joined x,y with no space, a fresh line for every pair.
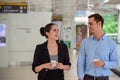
46,50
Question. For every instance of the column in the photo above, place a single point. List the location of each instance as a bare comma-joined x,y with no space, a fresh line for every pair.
68,26
118,26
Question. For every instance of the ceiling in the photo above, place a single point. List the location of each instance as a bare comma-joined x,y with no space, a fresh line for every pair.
107,7
66,7
84,5
114,2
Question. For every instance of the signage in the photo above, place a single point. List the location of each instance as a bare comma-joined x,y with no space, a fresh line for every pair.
68,43
2,35
80,13
57,18
7,7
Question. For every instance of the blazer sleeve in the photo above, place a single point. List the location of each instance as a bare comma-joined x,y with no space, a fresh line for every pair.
67,57
36,58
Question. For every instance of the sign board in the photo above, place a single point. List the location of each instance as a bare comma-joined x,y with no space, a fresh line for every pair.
2,35
57,18
7,7
68,43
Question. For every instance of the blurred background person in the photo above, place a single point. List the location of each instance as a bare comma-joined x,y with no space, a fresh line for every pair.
78,36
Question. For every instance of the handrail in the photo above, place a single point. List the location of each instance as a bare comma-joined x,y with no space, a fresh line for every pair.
114,37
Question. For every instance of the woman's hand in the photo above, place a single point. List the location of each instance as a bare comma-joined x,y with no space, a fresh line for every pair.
61,66
46,65
40,67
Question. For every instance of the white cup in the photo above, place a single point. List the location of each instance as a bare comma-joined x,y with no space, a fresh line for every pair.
96,60
53,63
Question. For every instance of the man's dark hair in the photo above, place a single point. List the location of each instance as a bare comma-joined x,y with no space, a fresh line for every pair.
97,18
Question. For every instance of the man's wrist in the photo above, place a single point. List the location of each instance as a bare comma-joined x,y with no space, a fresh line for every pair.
80,79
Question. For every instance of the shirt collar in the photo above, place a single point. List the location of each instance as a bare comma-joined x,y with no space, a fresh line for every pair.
102,38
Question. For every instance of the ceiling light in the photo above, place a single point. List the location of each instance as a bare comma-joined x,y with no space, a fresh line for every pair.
118,6
105,1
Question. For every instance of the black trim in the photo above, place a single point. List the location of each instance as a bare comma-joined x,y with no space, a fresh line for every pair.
116,71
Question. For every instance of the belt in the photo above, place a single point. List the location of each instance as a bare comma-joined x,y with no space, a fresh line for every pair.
96,77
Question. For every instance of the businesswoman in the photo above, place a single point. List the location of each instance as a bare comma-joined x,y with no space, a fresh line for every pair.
51,58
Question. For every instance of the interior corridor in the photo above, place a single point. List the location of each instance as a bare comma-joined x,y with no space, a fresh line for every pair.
24,72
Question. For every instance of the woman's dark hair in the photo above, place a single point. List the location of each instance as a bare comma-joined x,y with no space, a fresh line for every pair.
42,32
45,29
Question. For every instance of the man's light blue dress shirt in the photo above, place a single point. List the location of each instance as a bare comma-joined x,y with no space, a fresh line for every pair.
105,49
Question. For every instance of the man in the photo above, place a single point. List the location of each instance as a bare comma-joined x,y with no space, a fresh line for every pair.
98,53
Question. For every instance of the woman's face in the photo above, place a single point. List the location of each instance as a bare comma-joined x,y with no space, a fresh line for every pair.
54,33
78,29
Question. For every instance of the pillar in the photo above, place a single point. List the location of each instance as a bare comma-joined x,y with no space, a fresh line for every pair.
68,26
118,26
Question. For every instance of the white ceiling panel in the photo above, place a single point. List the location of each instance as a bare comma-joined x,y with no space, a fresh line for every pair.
113,2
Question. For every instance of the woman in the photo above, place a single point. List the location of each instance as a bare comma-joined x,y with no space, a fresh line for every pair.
51,58
78,37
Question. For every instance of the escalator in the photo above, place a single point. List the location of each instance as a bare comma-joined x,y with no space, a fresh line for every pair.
116,71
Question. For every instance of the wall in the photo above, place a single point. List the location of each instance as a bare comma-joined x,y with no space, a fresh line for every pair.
13,0
23,34
3,56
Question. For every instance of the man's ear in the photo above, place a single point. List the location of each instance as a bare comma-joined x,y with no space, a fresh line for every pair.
99,23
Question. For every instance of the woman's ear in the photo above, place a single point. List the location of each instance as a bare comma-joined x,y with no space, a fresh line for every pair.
47,34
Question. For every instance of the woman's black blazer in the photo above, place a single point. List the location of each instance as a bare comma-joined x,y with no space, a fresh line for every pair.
41,56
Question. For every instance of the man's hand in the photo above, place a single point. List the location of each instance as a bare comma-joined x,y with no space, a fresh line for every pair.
80,79
99,63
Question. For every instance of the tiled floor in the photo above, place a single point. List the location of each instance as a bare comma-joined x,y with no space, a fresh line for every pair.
25,72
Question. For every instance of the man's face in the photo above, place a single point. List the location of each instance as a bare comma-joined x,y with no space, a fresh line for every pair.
93,25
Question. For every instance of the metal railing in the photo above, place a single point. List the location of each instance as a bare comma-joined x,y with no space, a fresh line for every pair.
114,36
